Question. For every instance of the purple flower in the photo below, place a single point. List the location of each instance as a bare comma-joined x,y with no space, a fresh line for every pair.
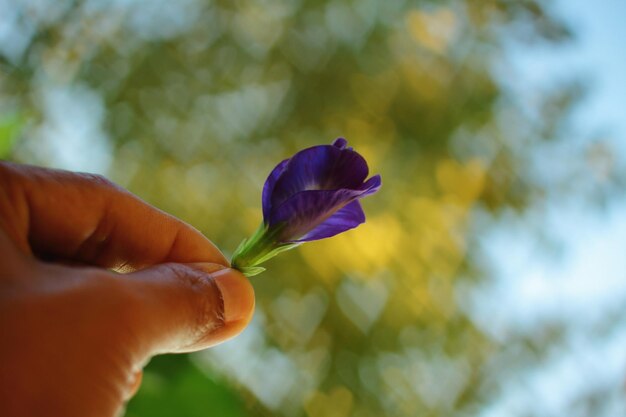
315,193
312,195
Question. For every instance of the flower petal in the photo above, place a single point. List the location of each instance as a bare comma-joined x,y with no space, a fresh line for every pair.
344,219
268,188
306,210
324,167
340,143
371,186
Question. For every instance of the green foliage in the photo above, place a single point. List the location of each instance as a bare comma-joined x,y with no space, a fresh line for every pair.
172,386
10,126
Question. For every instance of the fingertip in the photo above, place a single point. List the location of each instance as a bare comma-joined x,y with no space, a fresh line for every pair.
238,302
237,296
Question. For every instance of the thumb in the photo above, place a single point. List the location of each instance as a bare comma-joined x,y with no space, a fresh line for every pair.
187,307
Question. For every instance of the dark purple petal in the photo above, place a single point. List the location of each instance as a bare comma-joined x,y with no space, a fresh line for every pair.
340,143
324,167
306,210
268,188
371,186
344,219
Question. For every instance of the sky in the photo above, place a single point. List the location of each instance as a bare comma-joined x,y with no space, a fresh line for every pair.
598,53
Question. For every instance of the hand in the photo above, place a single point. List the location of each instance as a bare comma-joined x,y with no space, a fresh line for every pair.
94,282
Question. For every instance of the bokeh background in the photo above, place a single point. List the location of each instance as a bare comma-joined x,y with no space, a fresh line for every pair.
489,279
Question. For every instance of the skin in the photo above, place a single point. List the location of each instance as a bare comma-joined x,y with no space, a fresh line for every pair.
93,283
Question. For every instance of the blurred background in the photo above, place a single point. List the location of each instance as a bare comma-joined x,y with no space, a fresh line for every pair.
489,279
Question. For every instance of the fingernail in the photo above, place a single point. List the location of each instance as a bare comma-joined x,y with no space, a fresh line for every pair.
207,266
237,295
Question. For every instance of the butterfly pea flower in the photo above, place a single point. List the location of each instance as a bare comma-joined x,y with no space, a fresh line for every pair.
310,196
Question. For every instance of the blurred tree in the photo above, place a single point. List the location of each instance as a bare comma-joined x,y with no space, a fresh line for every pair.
189,104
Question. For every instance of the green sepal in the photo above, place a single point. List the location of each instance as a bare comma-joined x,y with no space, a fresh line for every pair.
276,251
240,248
251,271
263,245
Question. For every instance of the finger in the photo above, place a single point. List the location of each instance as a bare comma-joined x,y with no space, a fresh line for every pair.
11,258
86,218
182,308
134,385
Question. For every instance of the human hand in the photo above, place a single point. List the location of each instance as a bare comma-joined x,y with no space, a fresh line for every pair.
94,282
